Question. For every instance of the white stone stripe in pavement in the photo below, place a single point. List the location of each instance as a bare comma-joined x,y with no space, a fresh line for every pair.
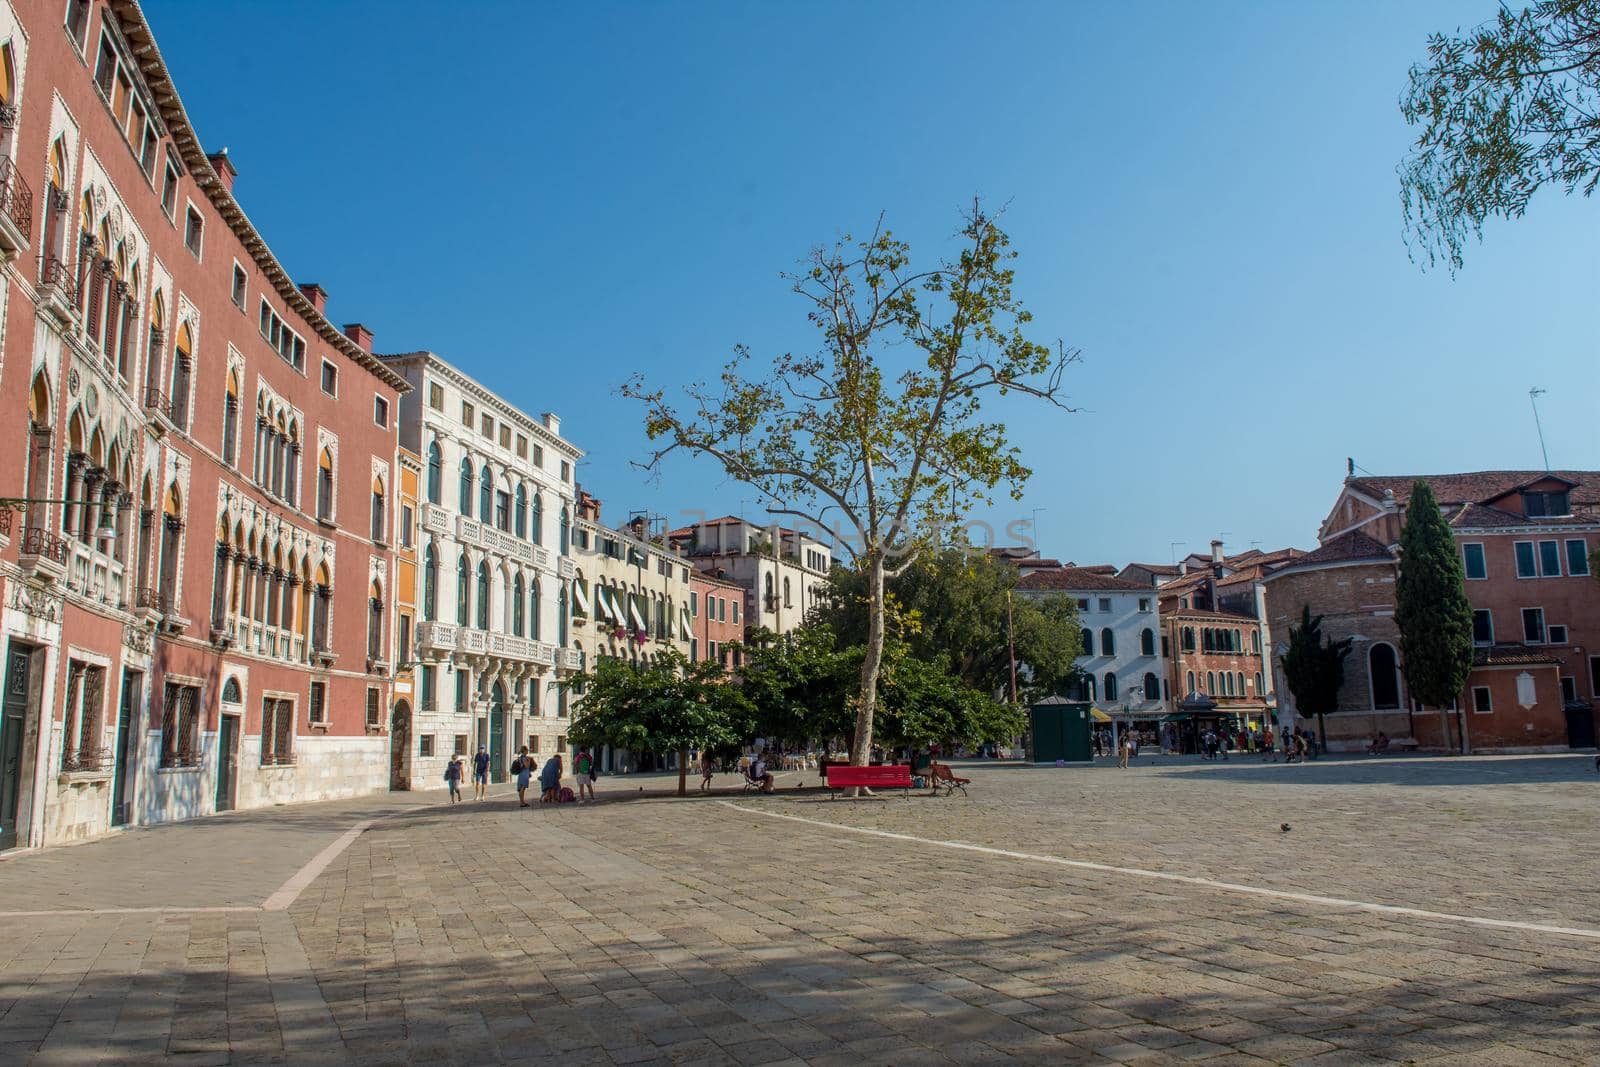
288,891
123,911
1186,879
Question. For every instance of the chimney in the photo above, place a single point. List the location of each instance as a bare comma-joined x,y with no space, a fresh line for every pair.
360,335
225,169
1183,567
552,422
317,295
1216,551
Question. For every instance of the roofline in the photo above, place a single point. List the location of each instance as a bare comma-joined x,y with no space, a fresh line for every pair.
142,44
466,381
1326,564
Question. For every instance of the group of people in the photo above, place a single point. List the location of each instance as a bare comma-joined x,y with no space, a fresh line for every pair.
550,791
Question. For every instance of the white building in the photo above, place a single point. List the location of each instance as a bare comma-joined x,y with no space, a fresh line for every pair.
1121,668
783,571
493,637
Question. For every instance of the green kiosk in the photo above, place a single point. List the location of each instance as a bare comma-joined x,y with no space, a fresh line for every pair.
1061,730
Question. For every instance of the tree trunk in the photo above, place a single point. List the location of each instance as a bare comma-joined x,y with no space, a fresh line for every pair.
683,772
1322,733
861,745
1444,731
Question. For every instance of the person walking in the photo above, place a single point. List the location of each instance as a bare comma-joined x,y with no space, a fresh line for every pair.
452,778
1268,752
583,770
522,767
708,767
1124,751
550,781
480,773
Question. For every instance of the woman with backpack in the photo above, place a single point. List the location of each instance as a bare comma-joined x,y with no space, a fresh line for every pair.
583,771
522,767
550,781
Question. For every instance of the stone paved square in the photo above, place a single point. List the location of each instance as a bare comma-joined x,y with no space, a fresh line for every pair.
761,930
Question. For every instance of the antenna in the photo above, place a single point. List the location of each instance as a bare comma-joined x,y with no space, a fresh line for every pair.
1173,546
1533,399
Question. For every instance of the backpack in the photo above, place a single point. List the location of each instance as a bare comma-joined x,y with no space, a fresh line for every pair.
566,795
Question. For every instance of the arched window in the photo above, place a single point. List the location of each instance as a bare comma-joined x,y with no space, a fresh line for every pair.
1238,642
375,622
1227,683
325,485
230,420
561,617
517,606
1086,639
430,583
1384,668
565,536
1147,642
1211,683
486,495
522,510
536,520
772,600
787,602
463,588
1111,686
380,532
533,609
171,547
182,368
320,605
1188,683
55,211
1152,687
40,456
230,692
466,486
1188,638
483,594
1108,644
152,355
1089,688
1255,643
435,471
1259,690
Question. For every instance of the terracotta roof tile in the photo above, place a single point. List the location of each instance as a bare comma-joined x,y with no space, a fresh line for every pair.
1075,579
1477,486
1347,547
1510,656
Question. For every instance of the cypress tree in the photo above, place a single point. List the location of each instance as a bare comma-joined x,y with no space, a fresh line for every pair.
1314,669
1431,607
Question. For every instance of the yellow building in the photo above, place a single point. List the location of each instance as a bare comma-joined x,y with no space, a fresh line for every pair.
402,736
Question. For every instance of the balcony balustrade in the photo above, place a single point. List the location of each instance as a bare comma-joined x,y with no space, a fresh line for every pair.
16,209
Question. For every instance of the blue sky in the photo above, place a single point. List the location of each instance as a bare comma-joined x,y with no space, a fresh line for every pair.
1204,198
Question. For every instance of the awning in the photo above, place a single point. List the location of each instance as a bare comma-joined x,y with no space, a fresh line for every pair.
580,595
685,629
602,605
633,613
1098,716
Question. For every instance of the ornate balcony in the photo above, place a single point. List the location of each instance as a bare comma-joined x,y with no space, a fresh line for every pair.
43,555
435,519
16,210
157,403
58,289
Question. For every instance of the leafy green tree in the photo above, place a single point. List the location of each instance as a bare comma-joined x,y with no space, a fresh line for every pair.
799,685
950,608
669,705
878,436
1314,669
923,704
1504,109
1431,607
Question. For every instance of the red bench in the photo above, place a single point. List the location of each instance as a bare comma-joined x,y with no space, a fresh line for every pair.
888,776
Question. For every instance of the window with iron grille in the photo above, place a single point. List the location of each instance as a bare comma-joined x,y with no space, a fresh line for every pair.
80,735
317,707
277,731
180,726
374,708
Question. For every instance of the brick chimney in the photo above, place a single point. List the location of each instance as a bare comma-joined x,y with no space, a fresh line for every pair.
360,335
317,295
224,167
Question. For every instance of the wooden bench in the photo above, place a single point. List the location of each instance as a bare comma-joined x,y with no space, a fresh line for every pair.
944,781
888,776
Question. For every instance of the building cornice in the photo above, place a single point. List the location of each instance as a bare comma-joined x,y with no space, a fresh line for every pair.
465,382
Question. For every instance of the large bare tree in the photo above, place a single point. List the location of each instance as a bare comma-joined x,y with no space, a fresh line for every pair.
879,436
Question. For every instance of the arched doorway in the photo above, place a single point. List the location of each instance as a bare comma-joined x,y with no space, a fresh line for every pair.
400,746
497,733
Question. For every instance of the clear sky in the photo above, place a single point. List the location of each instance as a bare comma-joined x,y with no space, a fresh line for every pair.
1203,195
